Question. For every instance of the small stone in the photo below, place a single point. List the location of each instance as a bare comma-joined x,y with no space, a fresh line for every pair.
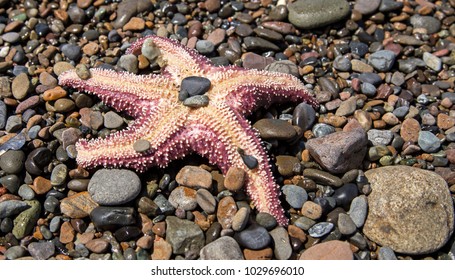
71,51
234,179
224,248
129,62
10,208
12,162
78,206
320,229
428,142
21,86
194,85
311,210
266,220
254,237
410,129
162,250
430,23
134,24
359,210
26,192
264,254
15,252
26,220
98,246
82,70
196,101
382,60
114,186
380,137
226,211
386,253
366,7
205,46
308,14
183,198
194,177
112,120
275,129
287,165
141,145
41,185
150,50
345,224
432,61
41,250
330,250
304,116
183,235
339,152
282,247
206,201
240,219
342,64
54,94
322,177
345,194
104,217
296,196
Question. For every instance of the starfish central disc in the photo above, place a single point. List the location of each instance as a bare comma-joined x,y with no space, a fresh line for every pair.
210,121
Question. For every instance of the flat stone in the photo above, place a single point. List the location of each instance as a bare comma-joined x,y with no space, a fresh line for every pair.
410,129
114,186
428,142
26,220
235,178
322,177
78,206
380,137
206,201
359,210
287,165
10,208
308,14
366,7
410,209
254,237
339,152
224,248
183,198
226,211
282,246
112,120
104,217
12,162
330,250
295,195
382,60
275,129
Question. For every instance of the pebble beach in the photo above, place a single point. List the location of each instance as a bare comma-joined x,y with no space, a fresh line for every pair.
369,174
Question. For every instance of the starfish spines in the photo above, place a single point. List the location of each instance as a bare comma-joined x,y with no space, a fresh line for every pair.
216,131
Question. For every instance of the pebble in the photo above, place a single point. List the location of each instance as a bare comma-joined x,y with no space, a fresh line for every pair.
41,250
266,220
322,129
428,142
26,192
206,201
358,210
21,86
224,248
194,85
330,250
342,64
141,145
51,204
104,217
304,116
112,120
183,198
282,247
410,129
129,62
196,101
399,189
98,246
295,195
308,14
3,114
430,23
10,208
345,224
205,46
287,165
339,152
183,235
240,219
78,206
194,177
114,186
15,252
320,229
432,61
366,7
71,51
345,194
275,129
234,179
322,177
12,162
162,250
253,237
382,60
380,137
386,253
283,66
226,211
26,220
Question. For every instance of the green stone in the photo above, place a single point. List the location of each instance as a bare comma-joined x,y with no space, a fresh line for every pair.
386,160
26,220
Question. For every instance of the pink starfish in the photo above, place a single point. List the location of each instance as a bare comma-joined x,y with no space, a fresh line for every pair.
217,130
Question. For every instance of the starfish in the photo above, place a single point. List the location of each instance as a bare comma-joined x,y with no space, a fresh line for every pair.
216,129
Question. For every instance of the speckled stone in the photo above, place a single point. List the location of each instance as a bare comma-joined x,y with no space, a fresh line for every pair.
224,248
402,195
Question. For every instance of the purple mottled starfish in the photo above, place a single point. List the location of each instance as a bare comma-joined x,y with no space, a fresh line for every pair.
217,130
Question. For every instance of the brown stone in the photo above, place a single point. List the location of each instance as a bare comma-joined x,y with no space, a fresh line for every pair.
235,178
194,177
226,211
159,229
54,94
330,250
162,250
67,233
384,91
390,119
297,232
98,246
445,122
212,5
91,48
264,254
410,129
145,242
41,185
311,210
78,206
450,153
401,196
339,152
135,24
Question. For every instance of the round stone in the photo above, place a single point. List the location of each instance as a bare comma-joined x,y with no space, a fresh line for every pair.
382,60
430,23
410,209
304,116
275,129
196,101
12,161
112,120
282,246
183,198
254,237
428,142
194,85
114,186
141,145
342,63
206,201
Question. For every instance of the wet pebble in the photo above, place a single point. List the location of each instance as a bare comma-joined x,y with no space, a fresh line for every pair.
183,235
320,229
428,142
295,195
254,237
12,161
309,14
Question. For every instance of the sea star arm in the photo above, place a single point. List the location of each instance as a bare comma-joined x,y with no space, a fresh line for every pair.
157,124
120,90
179,60
248,90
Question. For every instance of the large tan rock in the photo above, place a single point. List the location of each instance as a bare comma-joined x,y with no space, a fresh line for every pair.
410,209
